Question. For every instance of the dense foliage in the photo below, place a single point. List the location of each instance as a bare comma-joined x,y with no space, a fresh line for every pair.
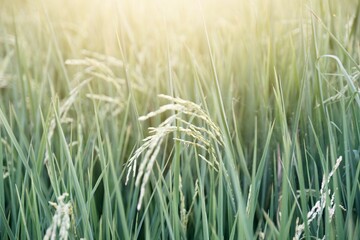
179,119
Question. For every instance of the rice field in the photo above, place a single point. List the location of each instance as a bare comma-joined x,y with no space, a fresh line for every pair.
176,119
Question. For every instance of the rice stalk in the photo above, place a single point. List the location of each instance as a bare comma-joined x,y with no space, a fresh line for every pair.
64,108
99,66
184,214
61,220
201,137
317,210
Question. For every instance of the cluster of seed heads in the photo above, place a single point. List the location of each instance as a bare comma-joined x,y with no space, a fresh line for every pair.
201,137
317,210
61,220
96,66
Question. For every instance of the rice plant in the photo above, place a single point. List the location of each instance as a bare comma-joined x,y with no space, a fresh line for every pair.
179,119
